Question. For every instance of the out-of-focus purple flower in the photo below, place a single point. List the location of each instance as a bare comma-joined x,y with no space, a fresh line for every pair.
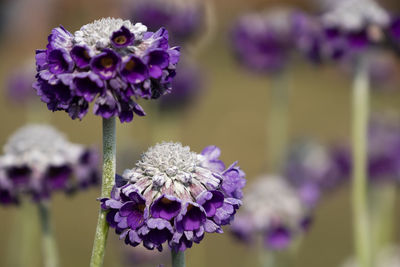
39,160
262,41
354,25
187,87
183,19
19,83
174,196
272,209
111,62
383,150
312,169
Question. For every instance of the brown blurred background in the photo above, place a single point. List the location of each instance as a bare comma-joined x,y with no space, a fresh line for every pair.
230,114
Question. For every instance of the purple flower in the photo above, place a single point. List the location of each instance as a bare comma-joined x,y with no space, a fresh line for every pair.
59,61
356,25
277,238
122,38
106,64
81,55
312,169
134,71
273,210
383,150
110,62
38,160
262,41
171,196
87,85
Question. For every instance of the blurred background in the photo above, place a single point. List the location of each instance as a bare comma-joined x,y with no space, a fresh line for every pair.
231,112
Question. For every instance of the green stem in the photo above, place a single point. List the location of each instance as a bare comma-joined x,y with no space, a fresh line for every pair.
178,258
383,200
360,111
50,255
277,132
109,162
22,249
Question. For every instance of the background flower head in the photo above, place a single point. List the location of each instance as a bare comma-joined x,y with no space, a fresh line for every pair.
39,160
272,210
262,40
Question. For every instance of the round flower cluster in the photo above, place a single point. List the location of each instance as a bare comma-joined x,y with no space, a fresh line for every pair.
174,195
353,25
271,209
184,19
383,150
38,160
262,41
312,169
108,62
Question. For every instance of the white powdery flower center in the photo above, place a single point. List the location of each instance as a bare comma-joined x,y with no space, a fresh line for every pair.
356,14
170,168
98,33
271,199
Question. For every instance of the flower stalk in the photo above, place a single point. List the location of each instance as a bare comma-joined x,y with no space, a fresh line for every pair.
50,254
277,132
178,258
360,109
109,164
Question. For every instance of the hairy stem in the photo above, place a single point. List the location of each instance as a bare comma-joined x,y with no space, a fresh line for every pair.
109,163
178,258
277,131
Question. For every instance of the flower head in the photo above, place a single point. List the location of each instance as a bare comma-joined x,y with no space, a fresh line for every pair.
311,168
38,160
383,150
183,19
272,209
174,196
108,62
352,25
262,41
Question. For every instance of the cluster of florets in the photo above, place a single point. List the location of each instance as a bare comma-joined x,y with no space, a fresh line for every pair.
184,19
262,41
383,150
313,170
353,25
109,62
174,195
273,210
38,160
